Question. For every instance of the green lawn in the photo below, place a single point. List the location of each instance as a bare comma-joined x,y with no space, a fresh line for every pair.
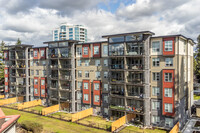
63,115
37,108
132,129
196,97
14,105
52,125
96,122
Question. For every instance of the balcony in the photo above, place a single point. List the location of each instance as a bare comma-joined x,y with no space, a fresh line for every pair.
117,66
116,52
54,97
117,107
54,85
13,74
117,92
135,66
21,65
54,66
65,66
65,77
21,91
53,53
135,106
21,75
12,57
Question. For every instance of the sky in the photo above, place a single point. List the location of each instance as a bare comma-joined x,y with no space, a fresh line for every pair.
33,20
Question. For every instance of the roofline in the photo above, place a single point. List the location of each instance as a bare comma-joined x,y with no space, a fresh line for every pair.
40,47
60,41
139,32
80,43
24,45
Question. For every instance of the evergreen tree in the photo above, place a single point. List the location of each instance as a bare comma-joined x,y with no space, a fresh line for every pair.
18,42
197,60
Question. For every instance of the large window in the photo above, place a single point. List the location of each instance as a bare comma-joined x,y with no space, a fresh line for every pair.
155,119
168,61
168,122
168,45
79,51
105,50
156,62
79,84
37,72
36,91
85,50
156,76
168,77
155,105
97,62
105,74
105,62
42,53
86,97
79,74
36,82
85,85
96,98
155,91
168,107
105,99
96,50
79,63
87,74
96,86
6,71
43,92
155,47
105,87
86,62
97,75
116,39
168,92
35,53
42,82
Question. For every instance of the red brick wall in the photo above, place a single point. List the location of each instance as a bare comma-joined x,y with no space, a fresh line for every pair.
97,92
87,91
88,46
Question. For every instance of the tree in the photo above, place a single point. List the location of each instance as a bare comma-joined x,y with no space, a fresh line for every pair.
197,60
18,42
2,44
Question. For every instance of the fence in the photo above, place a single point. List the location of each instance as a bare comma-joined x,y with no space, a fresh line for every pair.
2,96
11,100
82,114
50,109
175,129
121,121
29,104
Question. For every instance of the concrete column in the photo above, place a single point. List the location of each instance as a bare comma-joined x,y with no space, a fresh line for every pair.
27,75
73,77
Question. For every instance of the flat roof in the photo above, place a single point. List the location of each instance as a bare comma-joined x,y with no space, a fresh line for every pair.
20,45
92,42
130,33
60,41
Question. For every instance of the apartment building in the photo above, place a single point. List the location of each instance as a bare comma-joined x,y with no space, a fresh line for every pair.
70,32
150,76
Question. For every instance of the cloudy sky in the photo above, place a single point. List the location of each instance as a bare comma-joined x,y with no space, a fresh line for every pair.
33,20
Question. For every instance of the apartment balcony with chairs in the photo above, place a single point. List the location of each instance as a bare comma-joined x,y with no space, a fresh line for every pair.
135,78
134,49
54,74
117,90
117,104
117,63
116,52
135,92
117,77
54,95
64,52
136,106
54,64
65,97
53,53
21,91
54,84
21,65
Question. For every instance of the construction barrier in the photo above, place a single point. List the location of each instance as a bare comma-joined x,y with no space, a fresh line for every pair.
82,114
11,100
2,96
29,104
175,129
50,109
121,121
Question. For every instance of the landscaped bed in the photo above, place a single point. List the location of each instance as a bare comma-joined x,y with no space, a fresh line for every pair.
13,105
62,115
96,121
35,109
130,129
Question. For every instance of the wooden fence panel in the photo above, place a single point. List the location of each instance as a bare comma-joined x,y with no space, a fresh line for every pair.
10,100
175,129
82,114
2,96
50,109
29,104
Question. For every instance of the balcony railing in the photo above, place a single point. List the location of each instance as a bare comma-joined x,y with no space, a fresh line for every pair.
54,66
52,55
117,92
65,77
54,76
118,52
65,66
21,66
116,80
65,55
117,66
134,109
117,107
140,95
134,53
135,81
135,67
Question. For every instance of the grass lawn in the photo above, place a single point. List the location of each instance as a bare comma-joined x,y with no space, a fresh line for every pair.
14,105
96,122
36,108
52,125
66,116
196,97
132,129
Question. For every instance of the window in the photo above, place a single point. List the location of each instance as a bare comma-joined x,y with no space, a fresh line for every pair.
156,105
36,81
32,72
79,74
37,72
105,99
43,92
97,75
168,61
105,62
79,51
86,97
86,62
96,98
168,107
156,62
79,85
6,87
36,91
5,55
106,111
85,85
42,53
79,63
168,92
168,122
35,53
97,62
155,47
168,45
44,72
85,50
105,74
155,91
156,76
6,79
79,95
96,50
168,77
116,39
155,119
87,74
37,63
32,81
96,86
31,63
105,50
105,86
42,82
6,71
44,63
31,53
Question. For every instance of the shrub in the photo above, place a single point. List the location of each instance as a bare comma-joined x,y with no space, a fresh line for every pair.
32,126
